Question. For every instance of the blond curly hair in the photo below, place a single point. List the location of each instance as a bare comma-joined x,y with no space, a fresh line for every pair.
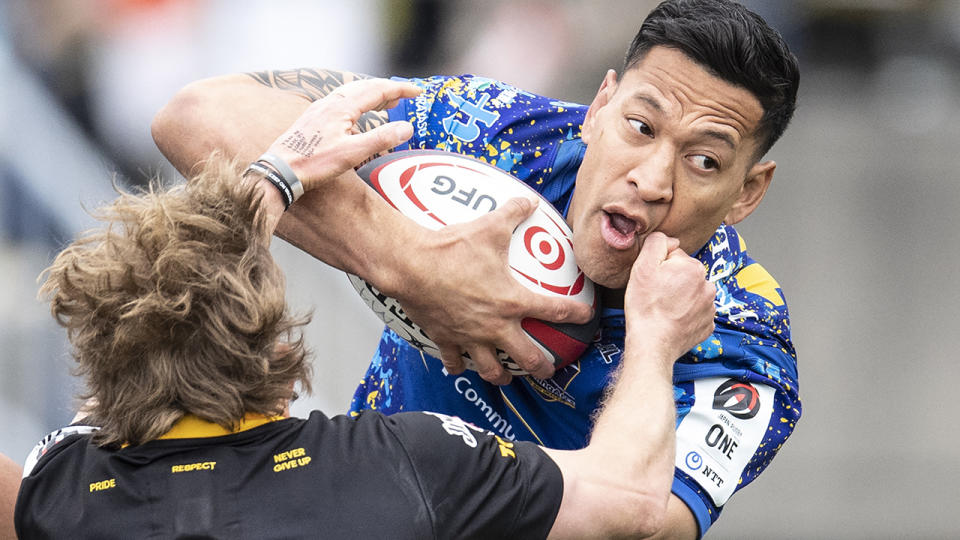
176,306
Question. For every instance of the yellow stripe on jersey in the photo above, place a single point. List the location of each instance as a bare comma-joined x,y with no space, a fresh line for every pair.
756,279
516,412
193,427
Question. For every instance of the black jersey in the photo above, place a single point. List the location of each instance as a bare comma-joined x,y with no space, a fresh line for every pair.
411,475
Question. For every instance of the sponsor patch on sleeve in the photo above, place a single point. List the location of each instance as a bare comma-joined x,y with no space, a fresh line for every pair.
722,431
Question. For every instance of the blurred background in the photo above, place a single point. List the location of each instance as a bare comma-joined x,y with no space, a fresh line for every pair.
859,227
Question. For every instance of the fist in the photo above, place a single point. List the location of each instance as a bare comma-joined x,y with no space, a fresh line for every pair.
668,303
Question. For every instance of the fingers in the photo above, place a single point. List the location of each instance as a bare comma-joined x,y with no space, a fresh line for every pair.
513,212
656,247
374,94
483,360
521,349
673,244
376,141
557,310
528,356
668,301
452,361
678,253
705,297
325,141
488,366
507,217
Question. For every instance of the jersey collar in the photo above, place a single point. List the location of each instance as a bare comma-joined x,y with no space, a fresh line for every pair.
194,427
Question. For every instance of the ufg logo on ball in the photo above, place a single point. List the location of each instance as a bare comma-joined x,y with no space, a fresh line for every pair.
436,189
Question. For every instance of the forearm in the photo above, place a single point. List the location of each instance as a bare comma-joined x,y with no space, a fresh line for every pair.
638,419
621,481
233,115
623,478
241,116
348,226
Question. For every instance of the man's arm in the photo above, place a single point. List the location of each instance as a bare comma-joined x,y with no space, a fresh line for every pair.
620,483
10,474
679,523
347,225
242,114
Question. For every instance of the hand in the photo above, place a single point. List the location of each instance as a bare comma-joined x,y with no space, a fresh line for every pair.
466,299
325,142
668,303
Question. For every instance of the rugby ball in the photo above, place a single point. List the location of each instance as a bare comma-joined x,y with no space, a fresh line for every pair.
436,189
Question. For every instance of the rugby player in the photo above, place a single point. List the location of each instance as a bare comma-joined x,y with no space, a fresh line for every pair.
674,144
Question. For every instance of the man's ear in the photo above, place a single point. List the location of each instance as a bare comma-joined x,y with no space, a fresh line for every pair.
607,88
754,187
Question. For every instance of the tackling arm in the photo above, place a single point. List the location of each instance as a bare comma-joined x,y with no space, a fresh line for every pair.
240,115
619,485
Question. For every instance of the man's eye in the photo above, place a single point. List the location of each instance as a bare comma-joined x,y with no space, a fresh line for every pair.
640,126
706,163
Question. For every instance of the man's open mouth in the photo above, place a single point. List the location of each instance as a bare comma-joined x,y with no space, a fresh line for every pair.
619,231
623,224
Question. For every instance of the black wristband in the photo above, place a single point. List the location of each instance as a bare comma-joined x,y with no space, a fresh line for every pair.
282,168
274,178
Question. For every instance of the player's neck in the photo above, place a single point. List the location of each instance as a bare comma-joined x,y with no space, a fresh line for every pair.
611,298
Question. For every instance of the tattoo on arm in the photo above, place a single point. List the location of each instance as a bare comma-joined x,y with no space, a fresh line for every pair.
310,83
314,84
370,120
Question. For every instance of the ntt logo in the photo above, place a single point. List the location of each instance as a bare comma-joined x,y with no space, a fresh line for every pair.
498,423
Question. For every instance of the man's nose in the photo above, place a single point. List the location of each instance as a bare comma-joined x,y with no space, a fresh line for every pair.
654,175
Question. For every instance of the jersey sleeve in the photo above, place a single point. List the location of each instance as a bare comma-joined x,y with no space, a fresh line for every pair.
732,421
50,442
736,393
477,484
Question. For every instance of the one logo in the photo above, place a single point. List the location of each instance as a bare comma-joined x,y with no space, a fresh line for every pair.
694,461
738,398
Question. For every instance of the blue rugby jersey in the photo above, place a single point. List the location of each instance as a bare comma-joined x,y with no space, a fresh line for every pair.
736,393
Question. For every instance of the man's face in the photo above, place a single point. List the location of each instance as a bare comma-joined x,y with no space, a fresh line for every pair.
670,148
